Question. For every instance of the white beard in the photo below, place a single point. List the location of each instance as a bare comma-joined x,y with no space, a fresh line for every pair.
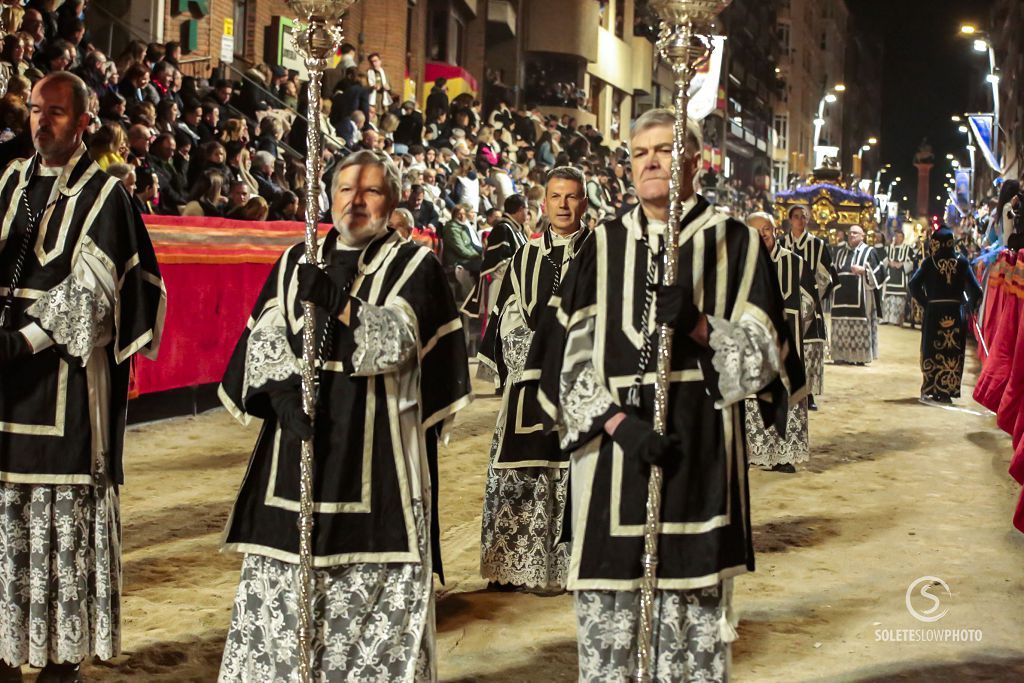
365,235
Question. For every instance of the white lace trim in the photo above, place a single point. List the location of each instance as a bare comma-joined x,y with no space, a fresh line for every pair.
383,340
73,315
745,358
584,398
269,356
516,347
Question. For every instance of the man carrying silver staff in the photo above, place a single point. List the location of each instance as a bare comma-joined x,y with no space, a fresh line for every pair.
768,448
854,306
527,480
392,369
818,260
597,363
80,294
899,263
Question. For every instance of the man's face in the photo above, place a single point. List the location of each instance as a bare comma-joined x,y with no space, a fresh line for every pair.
493,218
765,229
56,130
139,140
652,166
224,93
193,115
855,236
416,198
164,148
32,23
239,194
899,237
799,219
212,118
101,64
129,183
360,207
375,62
564,204
370,139
61,62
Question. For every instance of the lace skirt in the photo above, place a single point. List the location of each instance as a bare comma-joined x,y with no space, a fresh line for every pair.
764,445
893,309
372,622
522,522
853,341
60,573
692,632
814,362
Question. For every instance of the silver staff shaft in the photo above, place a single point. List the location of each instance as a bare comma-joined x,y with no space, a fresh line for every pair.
685,45
314,158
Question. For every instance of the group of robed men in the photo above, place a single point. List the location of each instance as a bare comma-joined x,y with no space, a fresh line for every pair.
573,339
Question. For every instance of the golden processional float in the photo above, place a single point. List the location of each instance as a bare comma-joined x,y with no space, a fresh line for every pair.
833,205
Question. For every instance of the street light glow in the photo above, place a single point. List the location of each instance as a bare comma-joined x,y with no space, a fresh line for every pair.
866,147
956,164
949,156
971,148
954,118
992,78
839,87
872,141
962,129
830,98
819,121
968,29
981,45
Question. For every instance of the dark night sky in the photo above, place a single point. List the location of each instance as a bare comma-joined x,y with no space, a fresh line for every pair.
929,74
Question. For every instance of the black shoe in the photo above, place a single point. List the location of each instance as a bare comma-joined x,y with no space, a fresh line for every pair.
811,405
59,673
787,468
10,674
502,587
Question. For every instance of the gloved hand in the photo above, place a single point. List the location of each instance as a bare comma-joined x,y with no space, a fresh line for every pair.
638,439
316,287
13,345
674,306
287,403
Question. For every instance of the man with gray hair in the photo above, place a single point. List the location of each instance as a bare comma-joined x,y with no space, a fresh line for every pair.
596,363
768,447
392,370
80,295
854,311
263,172
527,480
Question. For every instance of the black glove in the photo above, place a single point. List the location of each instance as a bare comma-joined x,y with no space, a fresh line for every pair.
639,440
13,345
316,287
674,306
287,403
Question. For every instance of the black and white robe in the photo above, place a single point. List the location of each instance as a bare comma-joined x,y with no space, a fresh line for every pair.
504,240
388,382
894,294
588,356
527,478
854,307
89,298
818,260
765,445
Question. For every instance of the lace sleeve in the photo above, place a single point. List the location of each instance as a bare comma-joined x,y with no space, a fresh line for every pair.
745,354
385,338
268,355
807,310
585,401
515,346
78,313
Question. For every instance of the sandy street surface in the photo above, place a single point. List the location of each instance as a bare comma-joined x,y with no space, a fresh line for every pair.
895,491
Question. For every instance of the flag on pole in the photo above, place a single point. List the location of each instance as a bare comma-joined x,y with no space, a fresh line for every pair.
983,125
704,87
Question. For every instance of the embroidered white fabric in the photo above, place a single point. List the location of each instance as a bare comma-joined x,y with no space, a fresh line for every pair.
766,448
61,572
384,339
745,357
269,356
582,395
516,346
75,315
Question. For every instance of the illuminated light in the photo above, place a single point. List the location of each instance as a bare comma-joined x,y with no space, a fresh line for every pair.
830,98
819,122
778,70
971,148
956,164
981,45
992,78
904,198
954,118
968,29
962,129
865,148
872,141
839,87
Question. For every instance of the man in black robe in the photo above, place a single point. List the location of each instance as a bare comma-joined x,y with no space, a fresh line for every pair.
527,480
948,291
854,306
80,294
596,358
899,264
504,240
392,371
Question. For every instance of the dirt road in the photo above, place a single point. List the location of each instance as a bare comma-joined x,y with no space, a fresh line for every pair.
895,491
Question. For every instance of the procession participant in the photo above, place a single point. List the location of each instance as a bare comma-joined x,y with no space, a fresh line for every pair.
766,446
597,363
504,240
818,260
899,263
854,310
80,294
948,291
527,480
392,368
380,88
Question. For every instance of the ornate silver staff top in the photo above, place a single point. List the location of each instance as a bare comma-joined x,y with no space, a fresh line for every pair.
684,41
319,36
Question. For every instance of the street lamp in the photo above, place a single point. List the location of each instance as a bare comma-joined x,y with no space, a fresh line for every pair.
982,43
819,121
968,29
872,140
954,118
